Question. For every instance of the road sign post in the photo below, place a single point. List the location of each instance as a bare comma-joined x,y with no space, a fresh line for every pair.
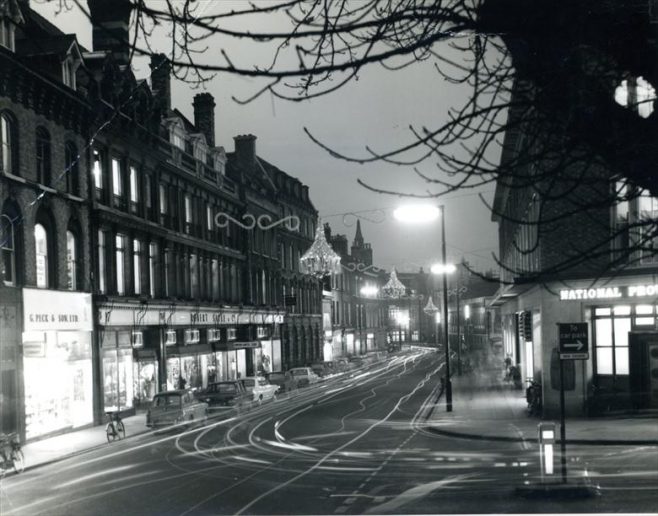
573,344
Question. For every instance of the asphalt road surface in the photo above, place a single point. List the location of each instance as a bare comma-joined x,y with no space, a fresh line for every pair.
358,444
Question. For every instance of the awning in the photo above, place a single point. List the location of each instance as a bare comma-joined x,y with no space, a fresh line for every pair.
508,292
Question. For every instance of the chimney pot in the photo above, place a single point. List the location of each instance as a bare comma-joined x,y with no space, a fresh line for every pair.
245,149
204,116
161,81
110,21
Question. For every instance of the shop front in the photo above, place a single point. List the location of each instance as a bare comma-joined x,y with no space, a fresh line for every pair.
57,361
622,316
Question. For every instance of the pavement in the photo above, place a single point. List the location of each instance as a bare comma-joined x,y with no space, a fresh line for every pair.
484,409
487,408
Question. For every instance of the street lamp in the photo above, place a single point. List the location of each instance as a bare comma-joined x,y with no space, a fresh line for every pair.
422,214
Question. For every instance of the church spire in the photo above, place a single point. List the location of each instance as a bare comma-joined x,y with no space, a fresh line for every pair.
358,237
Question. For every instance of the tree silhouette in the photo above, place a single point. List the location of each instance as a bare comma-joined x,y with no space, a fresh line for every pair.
562,90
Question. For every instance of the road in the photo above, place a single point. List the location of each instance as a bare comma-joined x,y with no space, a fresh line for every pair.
352,445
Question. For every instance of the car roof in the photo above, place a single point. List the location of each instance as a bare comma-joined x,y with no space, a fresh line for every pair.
177,392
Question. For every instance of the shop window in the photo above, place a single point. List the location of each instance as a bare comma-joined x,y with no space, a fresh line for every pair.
8,144
137,266
98,173
231,334
261,332
72,170
214,335
42,153
72,261
118,381
120,270
611,338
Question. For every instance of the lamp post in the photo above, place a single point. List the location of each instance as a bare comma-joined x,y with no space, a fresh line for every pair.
444,269
427,213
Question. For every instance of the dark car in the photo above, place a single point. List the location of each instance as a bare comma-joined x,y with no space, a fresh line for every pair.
231,393
283,380
175,407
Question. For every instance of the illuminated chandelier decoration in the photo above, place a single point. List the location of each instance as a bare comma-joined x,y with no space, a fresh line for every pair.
320,259
430,307
394,287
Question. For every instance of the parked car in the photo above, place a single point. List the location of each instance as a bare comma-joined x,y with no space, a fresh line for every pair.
321,369
357,361
344,365
175,407
303,376
260,388
282,380
230,393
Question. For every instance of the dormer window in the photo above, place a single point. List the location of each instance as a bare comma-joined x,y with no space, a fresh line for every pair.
7,33
199,147
68,73
177,135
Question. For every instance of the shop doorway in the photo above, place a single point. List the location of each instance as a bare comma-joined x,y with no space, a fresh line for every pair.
643,370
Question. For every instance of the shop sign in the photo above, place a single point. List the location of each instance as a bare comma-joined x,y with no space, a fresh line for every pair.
574,294
45,310
178,316
34,349
245,345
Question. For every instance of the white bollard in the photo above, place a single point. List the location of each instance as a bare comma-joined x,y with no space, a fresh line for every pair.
546,433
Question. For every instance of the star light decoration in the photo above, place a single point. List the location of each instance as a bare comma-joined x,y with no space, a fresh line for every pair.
320,259
394,287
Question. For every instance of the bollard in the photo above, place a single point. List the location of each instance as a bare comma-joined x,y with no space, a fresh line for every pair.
546,433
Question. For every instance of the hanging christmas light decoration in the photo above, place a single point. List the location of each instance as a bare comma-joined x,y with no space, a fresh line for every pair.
320,259
430,307
394,287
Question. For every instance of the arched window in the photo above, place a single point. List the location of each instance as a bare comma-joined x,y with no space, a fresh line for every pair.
72,260
72,171
10,245
8,144
41,249
43,156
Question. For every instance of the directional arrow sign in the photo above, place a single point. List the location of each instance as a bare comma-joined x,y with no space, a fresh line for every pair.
573,341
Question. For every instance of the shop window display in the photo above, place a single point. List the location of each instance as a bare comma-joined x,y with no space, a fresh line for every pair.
118,385
145,377
58,381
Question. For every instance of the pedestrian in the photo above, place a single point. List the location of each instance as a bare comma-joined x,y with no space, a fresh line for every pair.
181,382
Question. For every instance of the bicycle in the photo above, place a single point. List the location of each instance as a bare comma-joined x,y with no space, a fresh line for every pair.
114,428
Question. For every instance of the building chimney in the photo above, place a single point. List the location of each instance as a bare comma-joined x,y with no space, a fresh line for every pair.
204,116
110,20
245,149
161,81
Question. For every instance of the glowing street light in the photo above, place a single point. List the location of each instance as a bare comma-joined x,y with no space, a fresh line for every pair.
369,291
417,213
420,214
440,268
